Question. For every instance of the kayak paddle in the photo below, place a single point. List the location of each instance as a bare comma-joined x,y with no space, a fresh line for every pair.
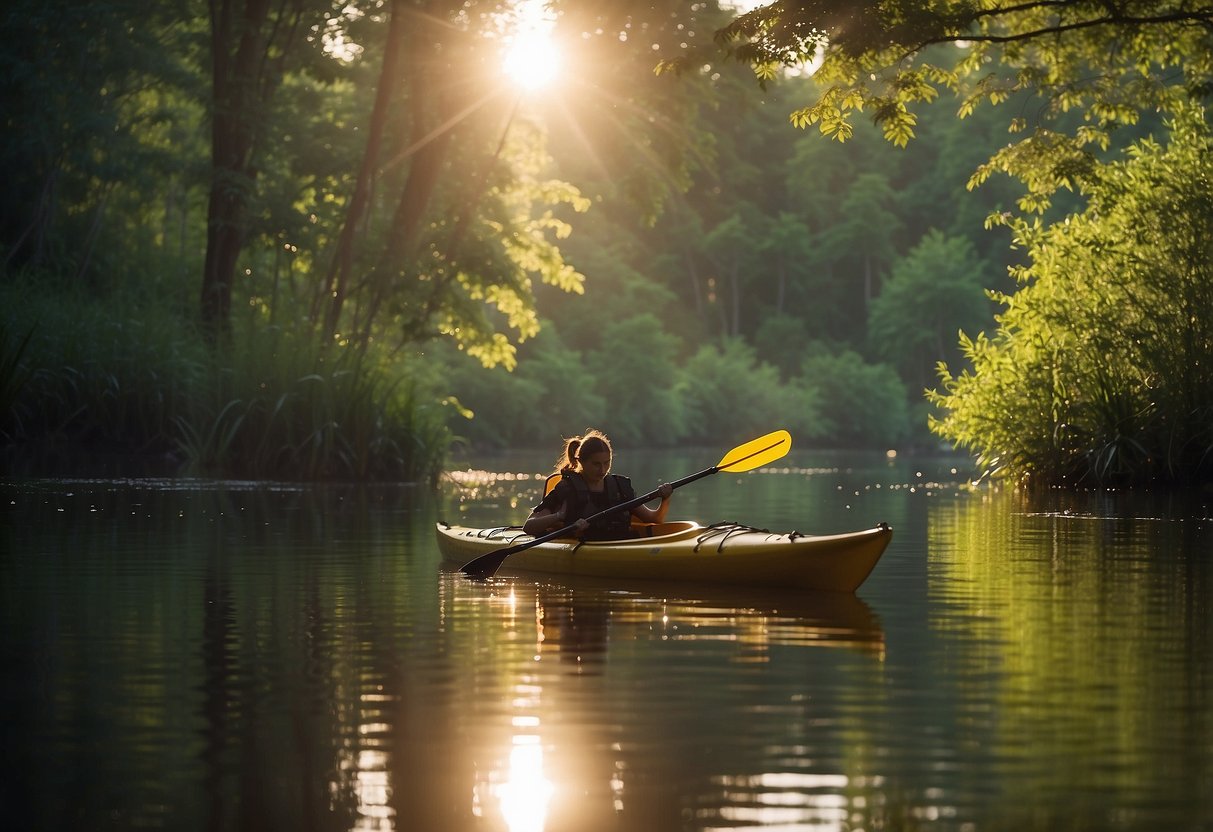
753,454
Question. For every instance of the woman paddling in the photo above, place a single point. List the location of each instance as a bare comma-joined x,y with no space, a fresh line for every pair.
587,487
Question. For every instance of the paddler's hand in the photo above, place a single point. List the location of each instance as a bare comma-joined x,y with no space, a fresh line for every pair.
582,524
665,490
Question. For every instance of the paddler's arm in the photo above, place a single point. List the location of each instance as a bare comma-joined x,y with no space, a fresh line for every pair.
543,520
656,515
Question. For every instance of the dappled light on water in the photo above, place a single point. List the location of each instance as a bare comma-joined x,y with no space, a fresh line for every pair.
373,790
793,800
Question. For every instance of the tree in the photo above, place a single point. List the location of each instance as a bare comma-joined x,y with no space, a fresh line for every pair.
871,54
1108,62
780,341
358,205
861,404
717,378
870,229
728,246
634,371
92,120
252,44
933,292
786,247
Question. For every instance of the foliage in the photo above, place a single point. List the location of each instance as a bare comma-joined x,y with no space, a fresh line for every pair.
780,341
653,227
728,392
634,371
1043,400
860,403
1101,366
1109,60
570,400
932,292
99,101
285,407
497,408
106,376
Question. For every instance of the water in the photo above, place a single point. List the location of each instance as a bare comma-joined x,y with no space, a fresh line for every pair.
197,655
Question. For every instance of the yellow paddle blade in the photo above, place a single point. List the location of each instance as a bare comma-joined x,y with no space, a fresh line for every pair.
757,452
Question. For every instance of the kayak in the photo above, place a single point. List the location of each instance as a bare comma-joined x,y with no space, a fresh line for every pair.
686,551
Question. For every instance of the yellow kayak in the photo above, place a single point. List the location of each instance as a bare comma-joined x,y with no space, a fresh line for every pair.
686,551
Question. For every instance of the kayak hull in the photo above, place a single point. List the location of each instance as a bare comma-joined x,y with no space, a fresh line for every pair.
724,553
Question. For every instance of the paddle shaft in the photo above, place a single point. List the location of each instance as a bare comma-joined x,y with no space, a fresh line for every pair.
486,565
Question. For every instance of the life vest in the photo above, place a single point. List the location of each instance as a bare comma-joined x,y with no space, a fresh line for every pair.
617,524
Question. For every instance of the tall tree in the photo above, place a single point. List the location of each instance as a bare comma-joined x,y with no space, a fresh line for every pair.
252,44
870,230
390,76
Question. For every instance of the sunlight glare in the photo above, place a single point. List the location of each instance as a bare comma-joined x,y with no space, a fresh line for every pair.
532,60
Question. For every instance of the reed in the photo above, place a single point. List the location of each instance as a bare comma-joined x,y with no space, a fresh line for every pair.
130,376
98,376
278,404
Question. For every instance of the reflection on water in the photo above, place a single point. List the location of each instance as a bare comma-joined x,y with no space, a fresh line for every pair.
1080,625
567,657
239,656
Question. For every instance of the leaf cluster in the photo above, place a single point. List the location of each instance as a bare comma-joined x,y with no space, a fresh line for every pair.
1109,61
1100,368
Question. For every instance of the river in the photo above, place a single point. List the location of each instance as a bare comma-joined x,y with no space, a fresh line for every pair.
199,655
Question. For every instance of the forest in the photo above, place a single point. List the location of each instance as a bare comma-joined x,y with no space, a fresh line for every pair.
315,240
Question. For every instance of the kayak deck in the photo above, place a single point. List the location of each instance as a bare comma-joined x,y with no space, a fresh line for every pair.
685,550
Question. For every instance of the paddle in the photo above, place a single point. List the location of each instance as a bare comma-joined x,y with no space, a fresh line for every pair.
753,454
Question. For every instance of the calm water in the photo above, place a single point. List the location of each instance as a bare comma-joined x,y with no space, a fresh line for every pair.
197,655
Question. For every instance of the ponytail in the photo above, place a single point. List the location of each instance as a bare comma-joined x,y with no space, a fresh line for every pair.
568,460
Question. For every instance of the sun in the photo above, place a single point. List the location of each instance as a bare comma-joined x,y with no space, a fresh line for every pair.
532,59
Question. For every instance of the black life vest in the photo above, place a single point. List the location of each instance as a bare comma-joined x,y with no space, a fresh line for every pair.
617,489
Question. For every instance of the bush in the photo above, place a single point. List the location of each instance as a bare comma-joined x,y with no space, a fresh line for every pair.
729,395
861,404
1102,367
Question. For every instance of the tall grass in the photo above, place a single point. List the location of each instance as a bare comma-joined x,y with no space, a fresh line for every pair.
99,377
281,403
133,377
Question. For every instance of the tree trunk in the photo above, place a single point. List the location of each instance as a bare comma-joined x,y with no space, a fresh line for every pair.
782,286
430,94
243,78
867,281
343,259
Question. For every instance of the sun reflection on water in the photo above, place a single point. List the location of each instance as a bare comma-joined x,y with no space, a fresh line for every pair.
366,764
521,792
525,794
